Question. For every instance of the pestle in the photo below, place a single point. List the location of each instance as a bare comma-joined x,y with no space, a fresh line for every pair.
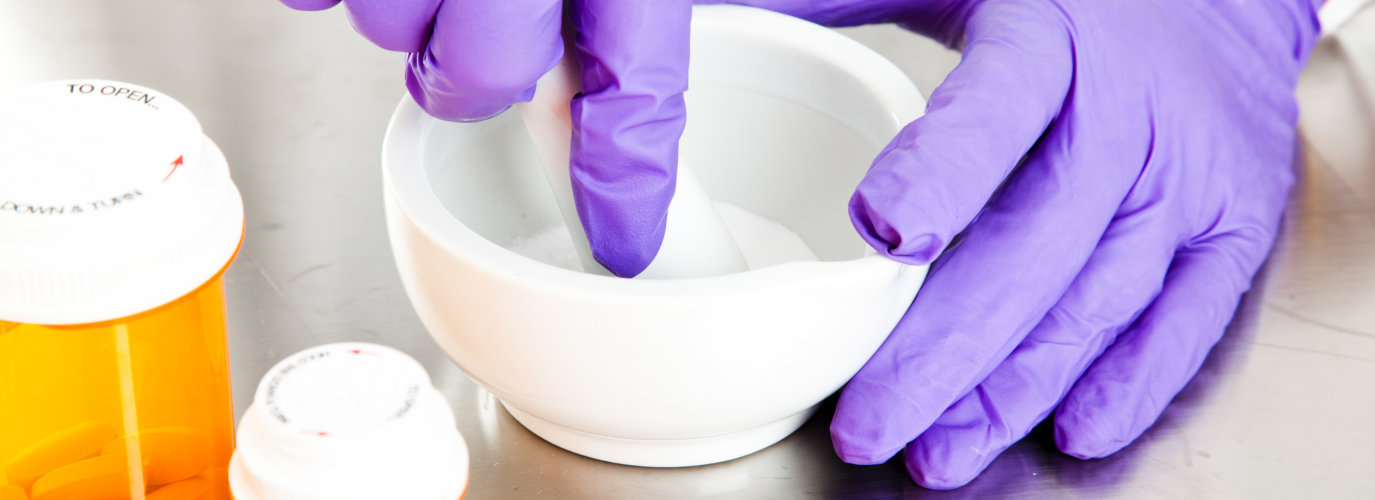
696,241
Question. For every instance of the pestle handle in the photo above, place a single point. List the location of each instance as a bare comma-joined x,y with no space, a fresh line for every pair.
549,122
696,243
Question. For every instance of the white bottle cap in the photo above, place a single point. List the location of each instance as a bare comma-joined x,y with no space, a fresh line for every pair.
348,421
112,202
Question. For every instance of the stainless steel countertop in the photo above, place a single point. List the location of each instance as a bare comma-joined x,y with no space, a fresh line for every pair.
1282,408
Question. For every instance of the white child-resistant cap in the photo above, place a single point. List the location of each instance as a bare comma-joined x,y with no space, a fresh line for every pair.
348,421
112,202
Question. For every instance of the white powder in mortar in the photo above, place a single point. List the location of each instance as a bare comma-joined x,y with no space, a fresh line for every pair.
762,241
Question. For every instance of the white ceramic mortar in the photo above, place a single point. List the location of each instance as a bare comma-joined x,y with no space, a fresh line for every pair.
784,117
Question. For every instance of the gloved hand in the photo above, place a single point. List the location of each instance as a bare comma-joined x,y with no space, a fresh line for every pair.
1118,170
471,59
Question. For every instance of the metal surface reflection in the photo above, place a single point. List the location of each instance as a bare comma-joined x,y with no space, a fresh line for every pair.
298,102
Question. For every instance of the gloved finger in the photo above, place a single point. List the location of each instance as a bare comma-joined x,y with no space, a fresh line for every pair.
310,4
935,176
1028,244
983,297
1127,388
399,25
1119,280
626,124
484,56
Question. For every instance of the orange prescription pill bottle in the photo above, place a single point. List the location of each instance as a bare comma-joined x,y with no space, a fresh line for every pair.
117,220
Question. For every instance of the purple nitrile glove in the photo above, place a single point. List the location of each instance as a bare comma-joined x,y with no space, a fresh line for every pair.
1118,171
471,59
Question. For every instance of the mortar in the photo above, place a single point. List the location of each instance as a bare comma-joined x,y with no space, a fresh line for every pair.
783,119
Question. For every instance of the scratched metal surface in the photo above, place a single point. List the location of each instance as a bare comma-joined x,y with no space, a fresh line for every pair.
298,102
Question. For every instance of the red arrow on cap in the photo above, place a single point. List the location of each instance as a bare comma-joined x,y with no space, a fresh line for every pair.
175,163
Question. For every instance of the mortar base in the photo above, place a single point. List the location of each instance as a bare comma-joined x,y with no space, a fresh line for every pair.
662,452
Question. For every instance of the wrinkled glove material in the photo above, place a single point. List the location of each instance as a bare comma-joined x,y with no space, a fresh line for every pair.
1116,173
